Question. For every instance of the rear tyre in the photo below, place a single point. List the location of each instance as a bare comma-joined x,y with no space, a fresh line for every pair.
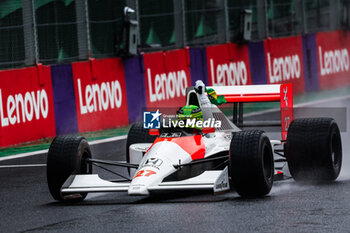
314,150
67,156
251,163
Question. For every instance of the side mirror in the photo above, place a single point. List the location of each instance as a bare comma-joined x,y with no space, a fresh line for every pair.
208,130
154,132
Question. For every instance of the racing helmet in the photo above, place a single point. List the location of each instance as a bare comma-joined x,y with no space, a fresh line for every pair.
190,112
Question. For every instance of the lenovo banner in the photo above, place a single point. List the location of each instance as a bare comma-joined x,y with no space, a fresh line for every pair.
100,94
167,75
333,59
228,65
26,105
284,62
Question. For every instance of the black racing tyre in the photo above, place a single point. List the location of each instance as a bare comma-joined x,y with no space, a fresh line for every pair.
137,134
314,150
66,157
251,163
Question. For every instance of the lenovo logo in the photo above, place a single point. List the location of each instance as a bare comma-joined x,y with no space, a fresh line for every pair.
166,86
333,61
283,68
99,97
22,108
234,73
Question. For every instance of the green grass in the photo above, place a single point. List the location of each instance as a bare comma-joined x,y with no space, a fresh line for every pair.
44,144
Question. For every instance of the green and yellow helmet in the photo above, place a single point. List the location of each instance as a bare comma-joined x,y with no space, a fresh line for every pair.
190,112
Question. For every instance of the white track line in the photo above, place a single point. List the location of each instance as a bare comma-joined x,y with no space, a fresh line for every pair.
22,165
23,155
117,138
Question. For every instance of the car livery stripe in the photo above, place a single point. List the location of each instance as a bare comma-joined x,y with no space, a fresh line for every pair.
191,144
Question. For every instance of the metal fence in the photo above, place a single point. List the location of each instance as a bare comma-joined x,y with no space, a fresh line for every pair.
59,31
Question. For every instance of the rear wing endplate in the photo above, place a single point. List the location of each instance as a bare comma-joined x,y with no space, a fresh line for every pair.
282,93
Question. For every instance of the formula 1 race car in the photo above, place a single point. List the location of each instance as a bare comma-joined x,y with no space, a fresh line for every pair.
207,158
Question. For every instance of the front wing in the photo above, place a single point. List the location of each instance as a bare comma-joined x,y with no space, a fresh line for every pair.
217,180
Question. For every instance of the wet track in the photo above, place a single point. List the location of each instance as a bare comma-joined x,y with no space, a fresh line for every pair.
26,205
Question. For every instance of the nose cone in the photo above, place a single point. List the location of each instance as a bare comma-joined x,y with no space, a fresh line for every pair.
138,189
146,177
157,164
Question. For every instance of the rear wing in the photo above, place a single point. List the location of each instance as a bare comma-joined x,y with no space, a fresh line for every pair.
238,95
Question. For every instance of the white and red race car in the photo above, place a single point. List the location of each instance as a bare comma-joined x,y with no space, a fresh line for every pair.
206,159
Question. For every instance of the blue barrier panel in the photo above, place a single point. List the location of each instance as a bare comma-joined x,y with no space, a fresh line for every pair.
135,87
310,63
199,68
257,62
64,99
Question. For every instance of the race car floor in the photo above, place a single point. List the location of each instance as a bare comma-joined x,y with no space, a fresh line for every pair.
26,204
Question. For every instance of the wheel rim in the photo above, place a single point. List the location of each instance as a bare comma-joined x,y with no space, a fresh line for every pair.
267,163
86,168
335,150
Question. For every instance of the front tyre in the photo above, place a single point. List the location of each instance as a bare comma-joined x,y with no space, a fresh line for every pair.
67,156
314,150
251,163
137,134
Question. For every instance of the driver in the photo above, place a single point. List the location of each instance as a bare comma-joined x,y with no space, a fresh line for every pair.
203,98
190,112
208,96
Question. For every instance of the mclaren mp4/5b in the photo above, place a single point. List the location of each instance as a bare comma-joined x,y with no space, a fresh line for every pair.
218,159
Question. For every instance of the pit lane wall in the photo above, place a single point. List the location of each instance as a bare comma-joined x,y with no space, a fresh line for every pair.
44,101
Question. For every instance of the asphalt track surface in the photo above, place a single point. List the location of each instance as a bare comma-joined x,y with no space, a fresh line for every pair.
26,204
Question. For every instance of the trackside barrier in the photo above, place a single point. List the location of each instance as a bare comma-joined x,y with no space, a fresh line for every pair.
284,62
100,94
310,63
64,99
198,67
26,105
228,64
135,87
167,75
257,62
39,102
333,59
